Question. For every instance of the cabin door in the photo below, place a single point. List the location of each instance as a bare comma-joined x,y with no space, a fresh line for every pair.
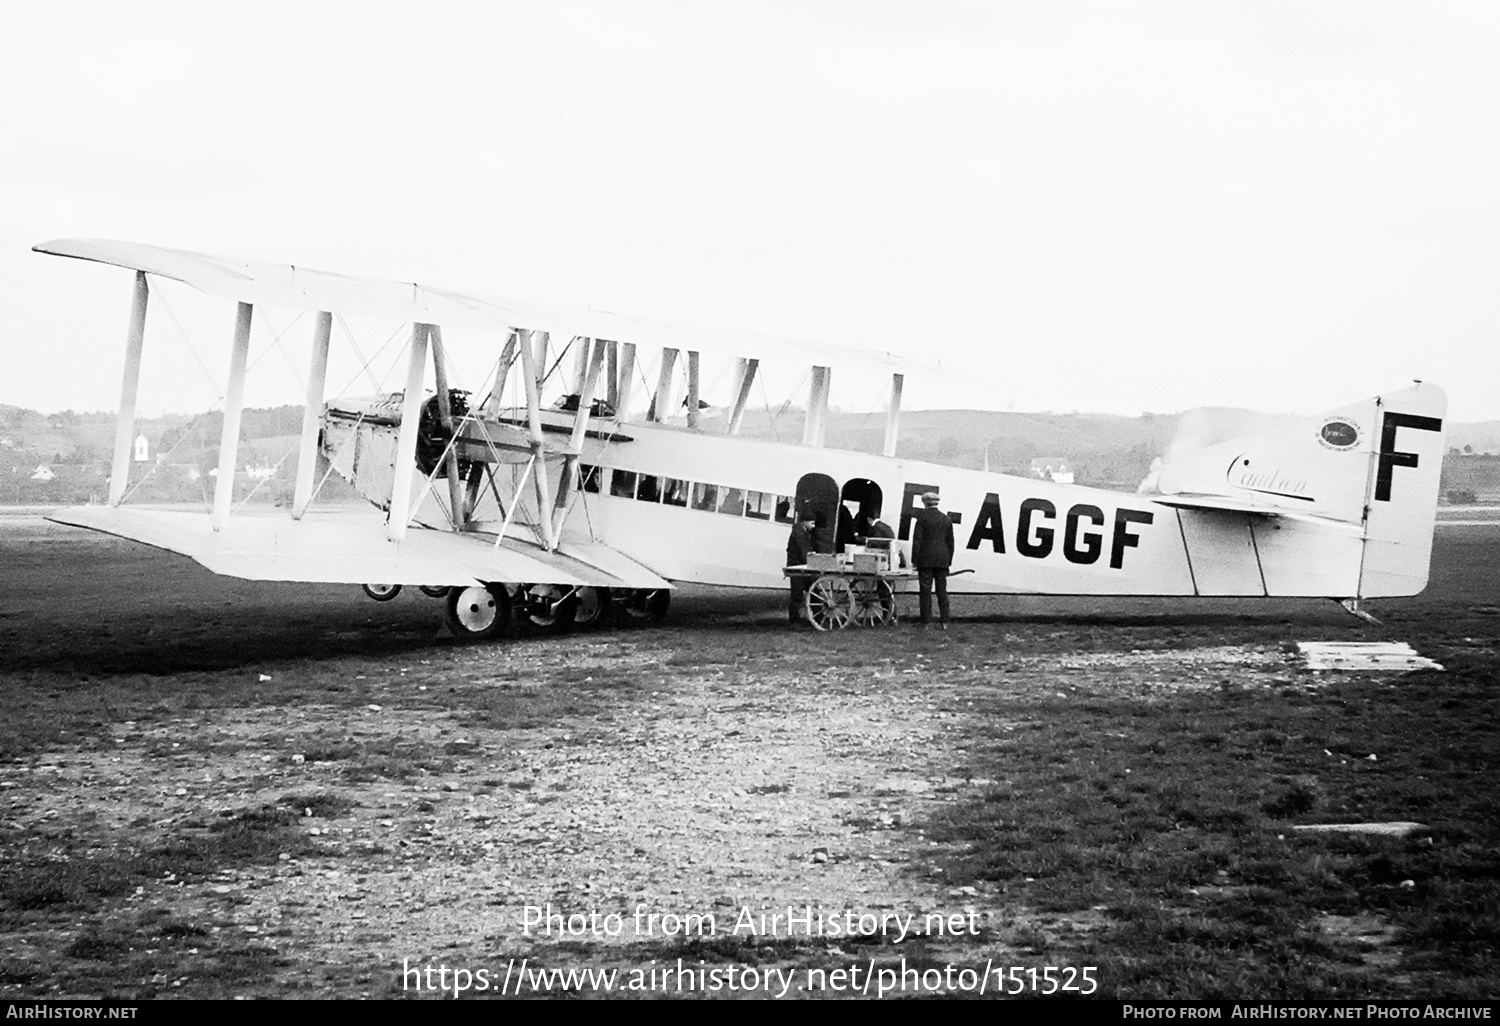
818,495
860,502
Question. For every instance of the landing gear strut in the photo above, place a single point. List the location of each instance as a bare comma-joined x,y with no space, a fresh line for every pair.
642,605
547,608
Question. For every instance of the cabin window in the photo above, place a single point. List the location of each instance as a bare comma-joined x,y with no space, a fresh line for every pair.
784,509
622,483
674,491
706,497
733,502
759,505
588,476
649,488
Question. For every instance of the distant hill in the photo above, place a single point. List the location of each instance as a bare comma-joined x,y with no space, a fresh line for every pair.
1103,450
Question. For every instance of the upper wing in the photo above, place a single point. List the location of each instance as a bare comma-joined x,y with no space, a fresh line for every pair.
354,550
306,289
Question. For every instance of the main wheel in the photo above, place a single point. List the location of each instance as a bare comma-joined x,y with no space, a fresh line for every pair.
433,590
592,608
829,604
478,612
547,608
382,592
873,602
641,605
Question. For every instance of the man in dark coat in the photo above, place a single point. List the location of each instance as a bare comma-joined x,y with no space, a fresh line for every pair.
844,531
932,555
798,544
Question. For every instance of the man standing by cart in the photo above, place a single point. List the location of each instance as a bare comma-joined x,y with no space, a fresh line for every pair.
932,555
798,544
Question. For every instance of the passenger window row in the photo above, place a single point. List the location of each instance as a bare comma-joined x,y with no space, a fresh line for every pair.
672,491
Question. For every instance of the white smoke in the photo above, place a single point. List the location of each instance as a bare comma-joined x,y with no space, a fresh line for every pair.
1178,470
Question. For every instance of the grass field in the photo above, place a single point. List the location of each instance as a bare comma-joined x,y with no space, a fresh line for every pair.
215,788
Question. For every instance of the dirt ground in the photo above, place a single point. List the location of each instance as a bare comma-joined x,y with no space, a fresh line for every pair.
215,788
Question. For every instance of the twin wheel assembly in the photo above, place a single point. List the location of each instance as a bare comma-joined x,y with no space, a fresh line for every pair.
478,612
835,601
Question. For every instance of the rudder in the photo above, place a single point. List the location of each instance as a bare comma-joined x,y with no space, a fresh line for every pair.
1406,462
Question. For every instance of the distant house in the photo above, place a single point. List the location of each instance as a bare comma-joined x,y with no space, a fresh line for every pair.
142,448
43,473
1052,468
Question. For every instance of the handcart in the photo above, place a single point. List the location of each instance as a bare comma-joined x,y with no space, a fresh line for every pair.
857,586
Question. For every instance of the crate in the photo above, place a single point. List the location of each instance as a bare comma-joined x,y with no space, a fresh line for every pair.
823,561
870,562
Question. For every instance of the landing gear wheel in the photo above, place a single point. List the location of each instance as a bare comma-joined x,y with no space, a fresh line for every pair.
382,592
547,608
478,612
873,603
433,590
592,608
641,605
829,604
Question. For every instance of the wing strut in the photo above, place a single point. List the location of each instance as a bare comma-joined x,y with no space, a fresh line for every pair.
893,415
529,365
745,377
612,375
540,338
627,384
234,402
459,511
661,405
693,385
307,456
586,390
129,385
406,438
817,407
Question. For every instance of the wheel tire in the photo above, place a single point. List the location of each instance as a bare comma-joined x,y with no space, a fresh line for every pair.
546,608
874,603
478,612
641,606
593,607
381,592
829,604
433,590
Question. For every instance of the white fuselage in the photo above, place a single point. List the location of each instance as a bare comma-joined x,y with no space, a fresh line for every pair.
1016,535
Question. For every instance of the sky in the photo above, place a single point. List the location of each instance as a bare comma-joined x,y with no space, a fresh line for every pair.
1090,206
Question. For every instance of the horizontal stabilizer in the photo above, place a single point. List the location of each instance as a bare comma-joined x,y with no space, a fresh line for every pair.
1225,504
337,548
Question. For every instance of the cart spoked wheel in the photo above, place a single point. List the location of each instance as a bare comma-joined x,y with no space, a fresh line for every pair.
828,603
873,603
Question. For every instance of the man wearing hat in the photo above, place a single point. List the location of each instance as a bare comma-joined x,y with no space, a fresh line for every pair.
932,555
798,545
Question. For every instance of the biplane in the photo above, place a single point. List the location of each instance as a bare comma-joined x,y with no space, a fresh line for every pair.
567,488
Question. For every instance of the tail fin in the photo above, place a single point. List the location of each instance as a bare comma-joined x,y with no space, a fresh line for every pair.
1373,466
1407,462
